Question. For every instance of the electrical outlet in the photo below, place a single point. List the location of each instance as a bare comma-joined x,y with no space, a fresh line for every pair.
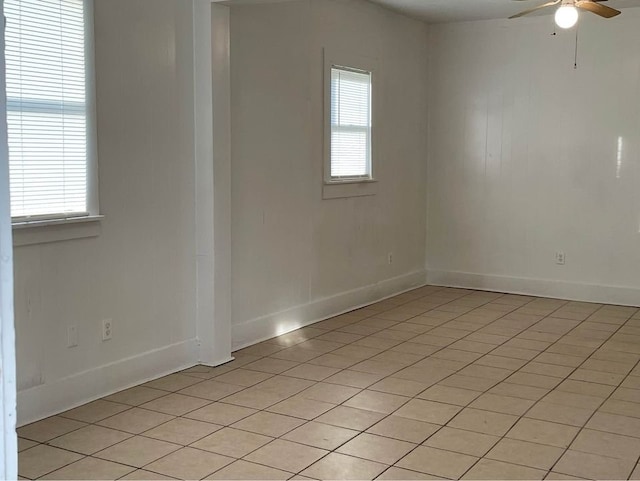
390,258
72,336
561,259
107,330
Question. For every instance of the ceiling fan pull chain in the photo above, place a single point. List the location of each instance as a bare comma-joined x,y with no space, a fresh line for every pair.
575,63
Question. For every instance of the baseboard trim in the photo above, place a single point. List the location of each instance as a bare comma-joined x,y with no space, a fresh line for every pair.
272,325
60,395
618,295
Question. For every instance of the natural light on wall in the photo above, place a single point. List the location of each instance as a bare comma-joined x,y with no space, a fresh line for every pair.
46,107
350,124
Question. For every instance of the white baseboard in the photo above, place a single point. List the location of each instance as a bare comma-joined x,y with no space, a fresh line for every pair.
625,296
55,397
265,327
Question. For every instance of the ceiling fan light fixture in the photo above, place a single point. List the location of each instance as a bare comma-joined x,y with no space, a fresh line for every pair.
566,16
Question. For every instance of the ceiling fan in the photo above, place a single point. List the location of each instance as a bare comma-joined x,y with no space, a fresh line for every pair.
567,13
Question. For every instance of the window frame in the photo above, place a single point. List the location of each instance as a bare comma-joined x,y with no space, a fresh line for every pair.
334,187
53,222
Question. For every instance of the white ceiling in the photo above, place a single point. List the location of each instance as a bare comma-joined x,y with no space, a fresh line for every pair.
439,11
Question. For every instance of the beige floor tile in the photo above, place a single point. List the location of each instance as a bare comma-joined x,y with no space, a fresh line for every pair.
613,423
461,441
543,432
556,476
449,395
182,431
404,429
311,372
377,343
607,444
320,435
622,408
350,418
636,472
588,388
468,383
25,444
175,404
340,466
535,380
377,401
255,398
573,399
141,474
243,377
189,463
173,382
268,424
136,395
428,411
341,337
354,379
501,362
137,451
591,466
525,453
136,420
597,377
243,470
95,411
286,456
496,424
331,393
271,365
90,439
400,387
49,428
557,413
221,413
502,404
376,448
333,360
284,386
301,407
381,368
399,474
91,468
547,369
624,394
211,390
232,442
40,460
490,470
515,390
486,372
437,462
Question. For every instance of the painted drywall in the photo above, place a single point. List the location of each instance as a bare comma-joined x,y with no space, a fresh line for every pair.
141,270
529,156
296,257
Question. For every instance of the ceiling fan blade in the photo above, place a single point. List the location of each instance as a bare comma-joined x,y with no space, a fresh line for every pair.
593,7
539,7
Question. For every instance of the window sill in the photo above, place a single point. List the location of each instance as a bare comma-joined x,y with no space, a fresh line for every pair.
56,230
349,188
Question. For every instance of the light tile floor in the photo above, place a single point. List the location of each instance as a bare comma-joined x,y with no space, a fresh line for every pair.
434,383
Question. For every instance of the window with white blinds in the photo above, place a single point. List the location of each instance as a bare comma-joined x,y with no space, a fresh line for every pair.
46,108
350,124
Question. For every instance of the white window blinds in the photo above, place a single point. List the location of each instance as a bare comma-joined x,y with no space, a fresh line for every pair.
350,124
46,107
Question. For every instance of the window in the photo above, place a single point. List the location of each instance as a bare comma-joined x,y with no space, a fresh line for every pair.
350,124
48,109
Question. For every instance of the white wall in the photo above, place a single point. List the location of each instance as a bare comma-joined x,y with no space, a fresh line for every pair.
296,257
529,156
140,271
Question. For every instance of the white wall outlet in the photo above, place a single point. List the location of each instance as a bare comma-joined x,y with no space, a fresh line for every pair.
107,330
72,336
561,259
390,258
